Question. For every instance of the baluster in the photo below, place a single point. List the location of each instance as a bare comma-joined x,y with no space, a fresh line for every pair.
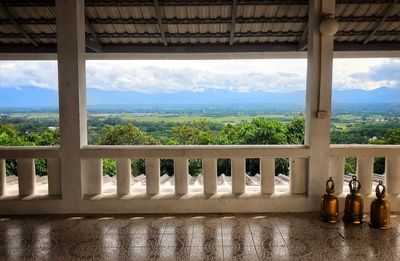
123,176
2,177
267,172
54,176
181,175
298,179
26,176
336,171
238,171
152,176
365,170
210,175
92,176
393,175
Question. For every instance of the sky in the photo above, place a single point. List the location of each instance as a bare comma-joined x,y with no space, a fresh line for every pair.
171,76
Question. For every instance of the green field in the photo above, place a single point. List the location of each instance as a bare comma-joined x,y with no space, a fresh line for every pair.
183,118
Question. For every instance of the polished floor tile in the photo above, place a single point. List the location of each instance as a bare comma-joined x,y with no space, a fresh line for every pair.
194,237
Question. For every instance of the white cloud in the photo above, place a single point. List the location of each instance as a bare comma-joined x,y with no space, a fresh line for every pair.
366,74
186,75
173,76
40,74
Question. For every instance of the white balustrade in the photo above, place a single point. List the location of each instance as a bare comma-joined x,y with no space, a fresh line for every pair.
209,156
238,172
123,176
54,176
92,176
393,174
365,164
267,172
365,172
280,200
336,171
298,176
181,175
26,176
2,177
152,176
209,166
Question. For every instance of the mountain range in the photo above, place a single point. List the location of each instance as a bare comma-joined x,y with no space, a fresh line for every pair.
30,97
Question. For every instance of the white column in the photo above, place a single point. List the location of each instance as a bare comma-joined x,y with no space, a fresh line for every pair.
54,176
92,176
393,175
152,176
238,172
365,170
123,176
210,175
181,171
70,17
26,176
298,176
336,171
318,100
2,177
267,172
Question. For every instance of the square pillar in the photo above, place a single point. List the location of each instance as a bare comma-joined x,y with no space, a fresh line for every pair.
70,15
318,99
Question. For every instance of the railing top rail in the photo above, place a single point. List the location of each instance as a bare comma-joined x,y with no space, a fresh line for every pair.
33,152
340,150
201,151
193,151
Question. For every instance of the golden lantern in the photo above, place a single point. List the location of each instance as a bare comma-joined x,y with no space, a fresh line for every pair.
380,209
353,208
329,204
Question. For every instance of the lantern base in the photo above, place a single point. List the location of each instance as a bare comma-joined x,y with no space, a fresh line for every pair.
351,219
328,219
383,227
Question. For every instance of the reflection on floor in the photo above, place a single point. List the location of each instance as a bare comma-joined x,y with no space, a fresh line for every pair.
211,237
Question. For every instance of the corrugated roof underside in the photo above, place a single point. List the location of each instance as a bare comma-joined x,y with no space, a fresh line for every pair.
197,26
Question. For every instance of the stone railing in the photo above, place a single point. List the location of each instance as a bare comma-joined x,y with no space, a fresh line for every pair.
181,199
25,158
92,163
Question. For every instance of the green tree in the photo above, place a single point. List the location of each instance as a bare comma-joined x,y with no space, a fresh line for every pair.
392,136
9,129
197,132
260,130
124,135
109,167
295,131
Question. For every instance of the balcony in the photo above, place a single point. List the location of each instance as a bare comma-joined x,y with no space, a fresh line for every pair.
193,237
152,194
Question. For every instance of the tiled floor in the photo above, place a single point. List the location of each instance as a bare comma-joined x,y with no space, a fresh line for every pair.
211,237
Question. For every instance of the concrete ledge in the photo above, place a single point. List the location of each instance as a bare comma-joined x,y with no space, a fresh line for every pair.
193,203
162,204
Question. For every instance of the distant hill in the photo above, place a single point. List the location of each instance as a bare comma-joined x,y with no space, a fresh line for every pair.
30,97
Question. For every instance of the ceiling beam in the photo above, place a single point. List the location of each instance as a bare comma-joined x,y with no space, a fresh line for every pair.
233,22
203,35
303,43
198,2
387,11
48,3
159,22
218,20
17,26
208,48
93,45
169,35
93,42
